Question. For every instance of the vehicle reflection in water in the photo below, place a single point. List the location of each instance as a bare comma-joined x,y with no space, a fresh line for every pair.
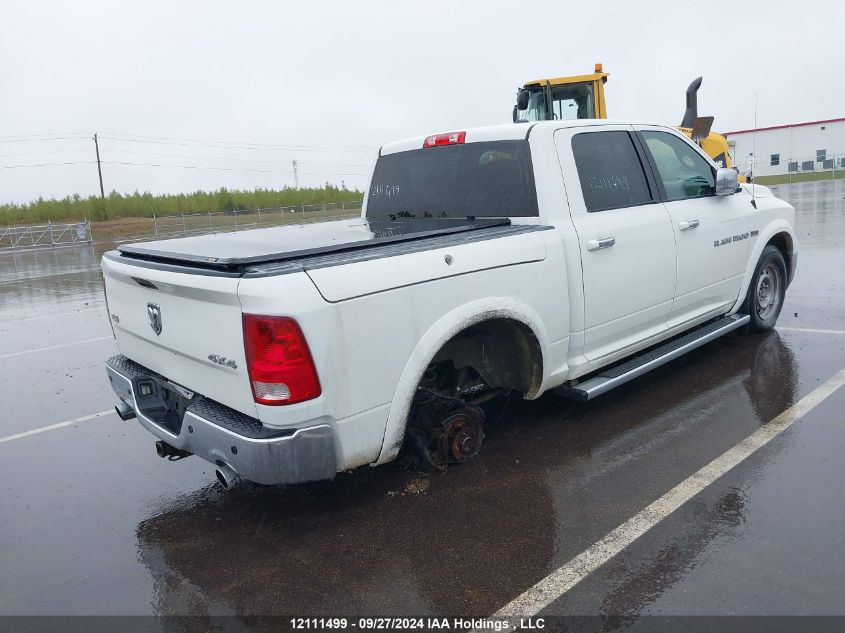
637,585
372,542
630,582
386,541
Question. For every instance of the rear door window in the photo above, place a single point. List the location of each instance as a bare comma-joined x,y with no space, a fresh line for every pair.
610,170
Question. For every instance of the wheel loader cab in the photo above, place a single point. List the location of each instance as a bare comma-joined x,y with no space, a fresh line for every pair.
582,97
562,98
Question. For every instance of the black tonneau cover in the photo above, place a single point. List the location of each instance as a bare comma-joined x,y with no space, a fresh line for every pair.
319,239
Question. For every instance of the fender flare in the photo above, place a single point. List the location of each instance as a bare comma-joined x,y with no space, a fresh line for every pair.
434,339
772,229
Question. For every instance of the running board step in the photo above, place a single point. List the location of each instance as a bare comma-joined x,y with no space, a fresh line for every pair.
621,373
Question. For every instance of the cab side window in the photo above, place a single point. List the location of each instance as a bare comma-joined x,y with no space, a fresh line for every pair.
683,171
610,171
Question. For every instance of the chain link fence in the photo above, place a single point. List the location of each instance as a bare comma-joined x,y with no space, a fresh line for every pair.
48,235
185,224
136,229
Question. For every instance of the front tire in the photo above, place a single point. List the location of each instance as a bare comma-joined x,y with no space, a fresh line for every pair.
766,292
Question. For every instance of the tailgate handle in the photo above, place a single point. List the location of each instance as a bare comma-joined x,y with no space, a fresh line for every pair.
602,242
145,283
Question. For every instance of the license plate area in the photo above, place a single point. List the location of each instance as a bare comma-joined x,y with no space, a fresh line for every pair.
159,402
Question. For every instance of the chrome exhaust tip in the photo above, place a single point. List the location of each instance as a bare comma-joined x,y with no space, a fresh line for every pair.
124,411
228,477
165,450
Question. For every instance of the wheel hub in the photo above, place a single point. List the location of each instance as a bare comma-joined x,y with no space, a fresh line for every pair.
768,291
461,435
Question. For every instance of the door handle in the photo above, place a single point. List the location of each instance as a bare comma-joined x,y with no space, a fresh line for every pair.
686,225
601,242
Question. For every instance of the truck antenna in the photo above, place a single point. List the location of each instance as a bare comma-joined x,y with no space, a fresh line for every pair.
754,156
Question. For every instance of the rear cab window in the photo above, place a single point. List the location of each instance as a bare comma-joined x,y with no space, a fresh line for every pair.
610,170
490,179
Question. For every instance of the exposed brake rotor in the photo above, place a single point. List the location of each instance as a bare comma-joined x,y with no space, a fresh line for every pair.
460,436
444,431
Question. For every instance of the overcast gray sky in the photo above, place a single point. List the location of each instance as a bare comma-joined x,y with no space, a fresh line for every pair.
326,83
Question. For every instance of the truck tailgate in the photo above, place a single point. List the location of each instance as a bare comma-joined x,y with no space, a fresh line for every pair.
186,327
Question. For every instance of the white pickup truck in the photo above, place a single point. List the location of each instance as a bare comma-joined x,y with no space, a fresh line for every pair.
566,255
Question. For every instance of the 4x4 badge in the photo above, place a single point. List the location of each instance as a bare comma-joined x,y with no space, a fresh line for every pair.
222,360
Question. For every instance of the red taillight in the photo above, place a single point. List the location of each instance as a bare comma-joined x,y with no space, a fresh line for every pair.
280,366
450,138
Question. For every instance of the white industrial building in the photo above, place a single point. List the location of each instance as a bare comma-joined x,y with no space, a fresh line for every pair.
781,149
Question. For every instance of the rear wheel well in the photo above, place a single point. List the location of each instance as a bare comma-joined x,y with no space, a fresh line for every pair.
504,353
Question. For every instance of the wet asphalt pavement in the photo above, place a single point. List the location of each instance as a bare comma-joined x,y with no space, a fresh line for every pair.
93,522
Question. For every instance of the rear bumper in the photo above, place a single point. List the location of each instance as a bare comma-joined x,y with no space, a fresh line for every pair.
222,435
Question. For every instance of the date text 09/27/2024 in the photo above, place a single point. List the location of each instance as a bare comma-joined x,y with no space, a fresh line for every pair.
415,624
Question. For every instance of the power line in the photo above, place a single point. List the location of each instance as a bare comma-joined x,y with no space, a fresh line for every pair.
79,162
249,143
48,136
37,136
52,151
43,139
162,165
261,171
227,158
266,148
185,142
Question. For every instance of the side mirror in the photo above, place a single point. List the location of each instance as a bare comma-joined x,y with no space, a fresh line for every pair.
522,99
727,181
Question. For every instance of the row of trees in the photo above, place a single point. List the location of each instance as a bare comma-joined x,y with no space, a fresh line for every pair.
145,204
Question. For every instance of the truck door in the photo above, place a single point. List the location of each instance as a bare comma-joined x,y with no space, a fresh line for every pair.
711,231
625,237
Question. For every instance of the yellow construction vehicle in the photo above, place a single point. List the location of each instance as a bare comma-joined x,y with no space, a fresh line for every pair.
582,97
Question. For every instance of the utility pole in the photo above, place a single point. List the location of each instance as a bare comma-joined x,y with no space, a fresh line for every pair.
295,175
100,173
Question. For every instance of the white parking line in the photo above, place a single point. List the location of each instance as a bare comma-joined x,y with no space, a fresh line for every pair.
811,330
561,580
47,349
58,425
